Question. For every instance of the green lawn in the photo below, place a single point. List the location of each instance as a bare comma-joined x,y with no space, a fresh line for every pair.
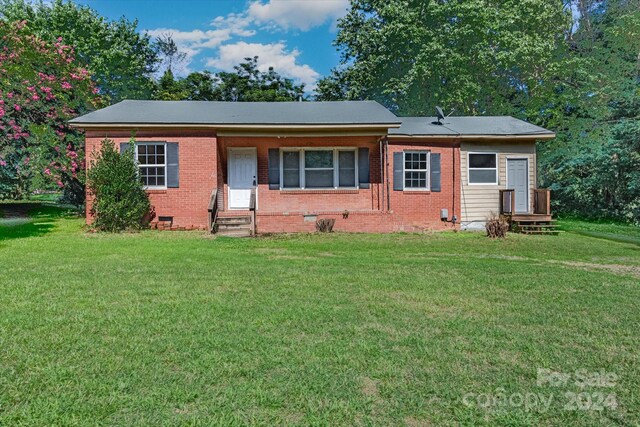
170,328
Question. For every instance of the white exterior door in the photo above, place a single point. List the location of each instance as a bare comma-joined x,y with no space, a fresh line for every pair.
242,170
517,179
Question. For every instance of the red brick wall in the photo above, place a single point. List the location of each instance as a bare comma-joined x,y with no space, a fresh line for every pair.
197,156
285,211
420,210
203,164
276,201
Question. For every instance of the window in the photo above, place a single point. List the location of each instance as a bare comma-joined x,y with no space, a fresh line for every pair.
319,168
152,162
416,170
483,168
291,169
347,169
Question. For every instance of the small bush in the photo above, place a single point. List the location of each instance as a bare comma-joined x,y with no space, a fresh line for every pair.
497,227
120,202
325,225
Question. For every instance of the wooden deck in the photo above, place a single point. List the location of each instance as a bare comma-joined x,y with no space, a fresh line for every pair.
539,221
531,217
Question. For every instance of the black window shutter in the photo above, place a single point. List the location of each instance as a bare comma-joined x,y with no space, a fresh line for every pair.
124,146
436,175
398,171
364,178
274,169
173,173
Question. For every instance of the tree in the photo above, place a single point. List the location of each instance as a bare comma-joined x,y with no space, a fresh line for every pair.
120,59
593,165
474,56
169,51
246,83
169,89
201,86
42,86
119,200
334,87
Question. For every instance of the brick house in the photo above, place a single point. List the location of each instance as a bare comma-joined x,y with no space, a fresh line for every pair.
280,167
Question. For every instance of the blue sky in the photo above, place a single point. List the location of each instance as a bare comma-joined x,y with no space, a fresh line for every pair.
294,36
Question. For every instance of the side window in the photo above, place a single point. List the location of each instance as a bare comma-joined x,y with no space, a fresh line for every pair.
152,161
416,170
483,168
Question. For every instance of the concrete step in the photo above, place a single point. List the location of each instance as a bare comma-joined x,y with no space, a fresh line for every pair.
234,220
234,226
235,233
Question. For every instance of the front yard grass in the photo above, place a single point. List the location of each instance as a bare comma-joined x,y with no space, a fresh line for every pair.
174,328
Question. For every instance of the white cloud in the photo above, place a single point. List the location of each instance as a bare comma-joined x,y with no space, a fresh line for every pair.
195,41
270,55
299,14
224,31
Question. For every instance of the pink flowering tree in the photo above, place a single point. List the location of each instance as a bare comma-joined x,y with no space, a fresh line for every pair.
42,86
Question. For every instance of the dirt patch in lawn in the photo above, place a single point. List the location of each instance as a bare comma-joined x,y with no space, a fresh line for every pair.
370,389
613,268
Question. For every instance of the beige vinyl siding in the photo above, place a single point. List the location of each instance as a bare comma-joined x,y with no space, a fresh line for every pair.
479,201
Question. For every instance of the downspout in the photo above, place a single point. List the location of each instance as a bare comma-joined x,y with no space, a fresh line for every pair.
453,185
386,166
381,199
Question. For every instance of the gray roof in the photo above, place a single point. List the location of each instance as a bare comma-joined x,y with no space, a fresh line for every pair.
240,113
467,126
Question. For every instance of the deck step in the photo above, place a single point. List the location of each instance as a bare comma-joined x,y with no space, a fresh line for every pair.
535,224
550,232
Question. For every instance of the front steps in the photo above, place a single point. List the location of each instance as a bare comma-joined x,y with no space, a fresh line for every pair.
233,226
534,224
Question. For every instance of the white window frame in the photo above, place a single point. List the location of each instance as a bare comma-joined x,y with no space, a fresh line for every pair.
336,168
427,171
141,165
469,168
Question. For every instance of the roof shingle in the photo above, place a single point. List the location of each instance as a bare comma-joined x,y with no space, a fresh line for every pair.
241,113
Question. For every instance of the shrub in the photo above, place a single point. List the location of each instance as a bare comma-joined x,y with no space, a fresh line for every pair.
325,225
497,227
120,202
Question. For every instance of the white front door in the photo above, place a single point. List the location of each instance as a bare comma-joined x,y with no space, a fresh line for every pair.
242,169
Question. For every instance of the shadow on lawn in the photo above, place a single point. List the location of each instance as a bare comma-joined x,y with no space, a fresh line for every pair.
20,220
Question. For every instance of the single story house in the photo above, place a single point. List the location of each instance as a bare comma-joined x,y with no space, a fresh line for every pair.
280,167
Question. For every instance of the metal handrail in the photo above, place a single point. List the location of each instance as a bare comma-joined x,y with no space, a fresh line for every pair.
253,208
213,210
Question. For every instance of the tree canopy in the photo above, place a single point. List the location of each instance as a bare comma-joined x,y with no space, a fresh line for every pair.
472,56
42,87
246,83
120,58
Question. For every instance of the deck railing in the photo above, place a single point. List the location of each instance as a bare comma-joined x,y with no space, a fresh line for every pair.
542,201
507,202
213,210
252,208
